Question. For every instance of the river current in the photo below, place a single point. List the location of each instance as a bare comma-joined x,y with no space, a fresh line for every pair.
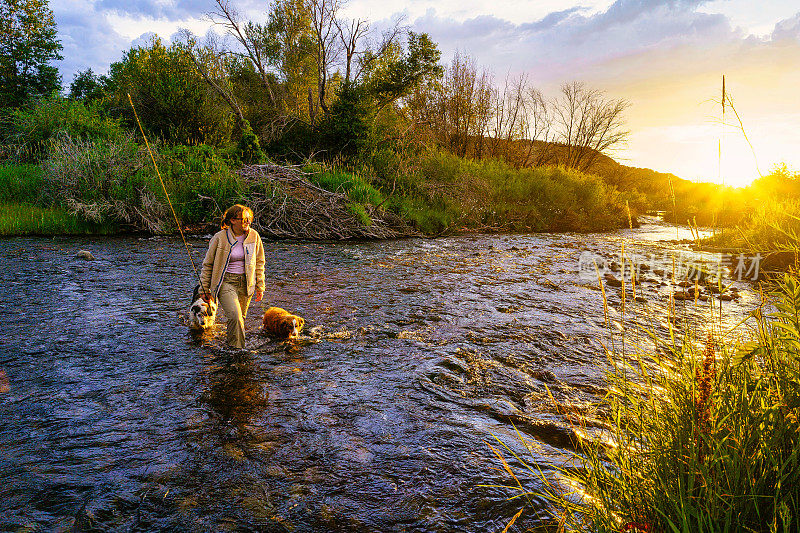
416,354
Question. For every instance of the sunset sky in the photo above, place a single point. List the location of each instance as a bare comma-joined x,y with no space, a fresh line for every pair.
666,57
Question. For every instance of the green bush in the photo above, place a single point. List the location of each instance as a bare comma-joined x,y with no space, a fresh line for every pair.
33,126
200,182
248,151
173,101
115,182
492,193
344,132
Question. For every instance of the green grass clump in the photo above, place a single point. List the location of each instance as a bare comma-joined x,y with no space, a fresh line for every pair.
21,183
703,439
354,186
17,219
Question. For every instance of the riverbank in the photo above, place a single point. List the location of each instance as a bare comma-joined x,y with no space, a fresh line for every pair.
441,195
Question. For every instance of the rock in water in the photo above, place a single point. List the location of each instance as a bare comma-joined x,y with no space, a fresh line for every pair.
84,254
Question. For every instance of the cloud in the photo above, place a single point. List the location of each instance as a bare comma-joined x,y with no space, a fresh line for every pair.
79,30
565,42
175,10
787,29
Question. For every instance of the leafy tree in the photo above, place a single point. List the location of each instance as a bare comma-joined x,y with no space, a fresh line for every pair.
88,86
347,129
397,77
172,99
27,45
291,40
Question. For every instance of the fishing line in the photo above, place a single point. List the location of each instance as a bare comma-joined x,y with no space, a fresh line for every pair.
166,194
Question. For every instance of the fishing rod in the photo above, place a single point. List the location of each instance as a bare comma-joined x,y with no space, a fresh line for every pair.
205,293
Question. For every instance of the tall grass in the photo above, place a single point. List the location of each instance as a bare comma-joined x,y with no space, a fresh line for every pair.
774,224
21,183
491,194
705,436
17,219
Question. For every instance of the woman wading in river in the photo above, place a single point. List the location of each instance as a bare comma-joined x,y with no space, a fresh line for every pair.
234,269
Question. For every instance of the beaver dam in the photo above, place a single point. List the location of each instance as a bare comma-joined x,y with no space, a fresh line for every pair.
114,418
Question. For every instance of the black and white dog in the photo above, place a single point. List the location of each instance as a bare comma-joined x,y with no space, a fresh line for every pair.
203,311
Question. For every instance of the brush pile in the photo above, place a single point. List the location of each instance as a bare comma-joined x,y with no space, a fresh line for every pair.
287,205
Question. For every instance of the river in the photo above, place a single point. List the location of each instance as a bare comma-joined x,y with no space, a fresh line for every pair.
416,353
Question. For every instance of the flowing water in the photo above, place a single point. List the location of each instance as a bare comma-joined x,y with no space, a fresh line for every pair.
416,352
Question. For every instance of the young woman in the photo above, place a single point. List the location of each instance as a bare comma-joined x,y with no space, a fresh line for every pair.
233,269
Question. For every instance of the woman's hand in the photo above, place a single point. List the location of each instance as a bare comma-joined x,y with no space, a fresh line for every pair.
259,294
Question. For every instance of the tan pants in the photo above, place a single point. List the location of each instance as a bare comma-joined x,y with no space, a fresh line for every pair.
234,301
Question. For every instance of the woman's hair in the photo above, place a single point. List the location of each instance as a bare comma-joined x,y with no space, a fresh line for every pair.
235,211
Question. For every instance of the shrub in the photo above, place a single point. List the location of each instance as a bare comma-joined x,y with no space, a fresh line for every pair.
33,126
115,182
172,99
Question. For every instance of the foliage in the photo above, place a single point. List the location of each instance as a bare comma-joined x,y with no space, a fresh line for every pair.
34,125
289,39
171,97
773,225
21,184
200,182
115,182
88,87
492,194
248,151
345,130
28,43
396,77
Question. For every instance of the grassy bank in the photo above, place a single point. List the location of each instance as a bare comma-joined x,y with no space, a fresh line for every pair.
112,183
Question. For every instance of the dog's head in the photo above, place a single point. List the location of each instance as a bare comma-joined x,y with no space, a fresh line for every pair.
290,326
203,311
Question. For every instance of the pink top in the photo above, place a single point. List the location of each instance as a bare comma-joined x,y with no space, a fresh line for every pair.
236,259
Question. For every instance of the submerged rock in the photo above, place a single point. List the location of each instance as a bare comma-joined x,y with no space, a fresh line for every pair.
84,254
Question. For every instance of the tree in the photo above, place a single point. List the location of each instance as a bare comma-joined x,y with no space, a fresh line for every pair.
27,45
394,78
587,124
172,98
255,39
347,128
88,87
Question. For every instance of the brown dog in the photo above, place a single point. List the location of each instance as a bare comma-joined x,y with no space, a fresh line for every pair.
280,324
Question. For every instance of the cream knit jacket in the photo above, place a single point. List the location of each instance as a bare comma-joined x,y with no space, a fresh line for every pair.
218,255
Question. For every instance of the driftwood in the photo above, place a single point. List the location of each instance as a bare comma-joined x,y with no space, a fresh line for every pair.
287,205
